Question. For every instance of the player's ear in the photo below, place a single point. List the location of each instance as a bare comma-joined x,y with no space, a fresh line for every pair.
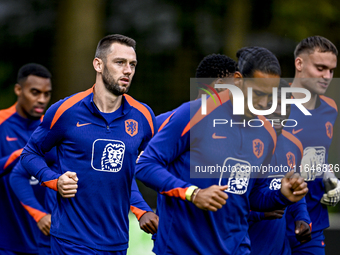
98,65
17,89
238,79
299,64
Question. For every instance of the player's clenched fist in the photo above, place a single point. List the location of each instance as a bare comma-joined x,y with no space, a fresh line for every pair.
67,184
212,198
293,186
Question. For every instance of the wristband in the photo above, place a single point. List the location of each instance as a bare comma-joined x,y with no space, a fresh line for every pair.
189,192
195,194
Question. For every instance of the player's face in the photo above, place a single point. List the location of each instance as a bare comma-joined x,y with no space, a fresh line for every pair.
119,68
262,85
320,67
276,115
33,96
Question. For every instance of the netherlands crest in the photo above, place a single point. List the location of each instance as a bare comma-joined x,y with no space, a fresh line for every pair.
258,148
131,127
329,129
290,159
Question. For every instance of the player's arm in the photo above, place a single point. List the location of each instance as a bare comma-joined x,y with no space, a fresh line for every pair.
19,180
44,138
293,189
8,162
161,151
303,224
148,220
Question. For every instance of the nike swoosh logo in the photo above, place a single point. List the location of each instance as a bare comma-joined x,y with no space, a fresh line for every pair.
218,137
296,131
11,139
80,125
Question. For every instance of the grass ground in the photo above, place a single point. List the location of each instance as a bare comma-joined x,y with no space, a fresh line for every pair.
140,243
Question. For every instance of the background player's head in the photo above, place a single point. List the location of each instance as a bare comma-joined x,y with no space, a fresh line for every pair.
217,67
260,70
315,61
276,115
115,62
33,89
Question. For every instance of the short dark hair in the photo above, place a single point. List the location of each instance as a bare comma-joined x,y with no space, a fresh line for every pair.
105,43
32,69
251,59
216,66
313,43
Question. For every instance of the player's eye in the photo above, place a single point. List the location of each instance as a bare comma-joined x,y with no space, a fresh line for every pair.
258,93
35,92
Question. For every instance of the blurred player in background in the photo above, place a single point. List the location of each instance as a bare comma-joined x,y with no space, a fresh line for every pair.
17,123
315,61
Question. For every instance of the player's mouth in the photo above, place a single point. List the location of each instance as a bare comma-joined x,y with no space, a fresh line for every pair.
39,109
125,81
323,84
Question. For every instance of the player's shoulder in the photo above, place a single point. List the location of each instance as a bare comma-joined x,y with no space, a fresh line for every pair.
329,102
141,109
60,108
139,106
5,114
293,139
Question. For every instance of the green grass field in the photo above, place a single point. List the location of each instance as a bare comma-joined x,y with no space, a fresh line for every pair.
140,243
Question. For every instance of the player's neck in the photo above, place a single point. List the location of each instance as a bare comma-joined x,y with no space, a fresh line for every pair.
104,100
310,105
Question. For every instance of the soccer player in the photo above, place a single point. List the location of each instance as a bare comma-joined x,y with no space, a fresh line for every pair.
188,142
17,123
267,230
315,61
97,134
218,68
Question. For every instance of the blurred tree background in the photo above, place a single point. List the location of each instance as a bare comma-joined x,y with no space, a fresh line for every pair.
172,37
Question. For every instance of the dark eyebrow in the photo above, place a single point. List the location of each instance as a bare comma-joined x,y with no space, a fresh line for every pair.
40,90
323,66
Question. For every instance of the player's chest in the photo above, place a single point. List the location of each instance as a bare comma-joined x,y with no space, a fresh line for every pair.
86,134
14,137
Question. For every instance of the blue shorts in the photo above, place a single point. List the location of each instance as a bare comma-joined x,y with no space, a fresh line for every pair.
314,247
64,247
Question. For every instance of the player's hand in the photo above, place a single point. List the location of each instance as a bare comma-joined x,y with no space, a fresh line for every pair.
44,224
293,186
332,197
309,164
303,232
277,214
149,222
67,184
211,198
